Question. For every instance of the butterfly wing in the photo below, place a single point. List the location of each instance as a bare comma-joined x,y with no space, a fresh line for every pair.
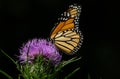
66,35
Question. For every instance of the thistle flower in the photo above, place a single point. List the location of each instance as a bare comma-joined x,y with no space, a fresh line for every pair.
39,47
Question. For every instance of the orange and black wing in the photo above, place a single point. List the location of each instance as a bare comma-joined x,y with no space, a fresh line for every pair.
66,35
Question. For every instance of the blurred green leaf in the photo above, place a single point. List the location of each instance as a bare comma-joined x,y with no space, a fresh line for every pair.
4,73
89,76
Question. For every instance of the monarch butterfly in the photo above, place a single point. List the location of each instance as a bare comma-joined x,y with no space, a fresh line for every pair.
66,34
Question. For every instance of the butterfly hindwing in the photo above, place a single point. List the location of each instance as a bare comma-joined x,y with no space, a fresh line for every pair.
66,35
68,41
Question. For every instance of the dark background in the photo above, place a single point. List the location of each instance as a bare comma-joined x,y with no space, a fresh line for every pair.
22,20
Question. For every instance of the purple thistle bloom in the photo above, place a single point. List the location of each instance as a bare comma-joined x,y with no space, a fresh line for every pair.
36,47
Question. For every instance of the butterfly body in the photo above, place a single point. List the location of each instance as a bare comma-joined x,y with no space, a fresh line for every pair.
66,34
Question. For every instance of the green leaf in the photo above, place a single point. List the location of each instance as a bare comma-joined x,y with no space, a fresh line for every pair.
16,63
9,57
69,75
4,73
64,63
70,61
